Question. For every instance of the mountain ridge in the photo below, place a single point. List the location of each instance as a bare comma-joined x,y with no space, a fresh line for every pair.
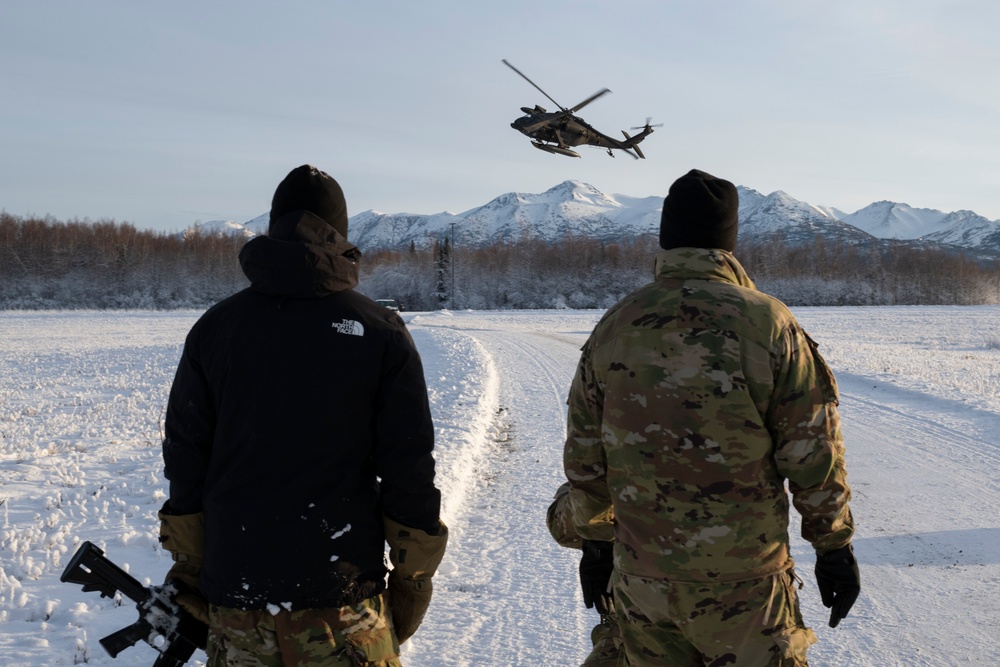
575,208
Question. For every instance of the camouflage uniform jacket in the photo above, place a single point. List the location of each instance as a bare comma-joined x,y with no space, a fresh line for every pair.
695,399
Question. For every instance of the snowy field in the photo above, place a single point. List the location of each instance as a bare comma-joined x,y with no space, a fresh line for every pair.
82,397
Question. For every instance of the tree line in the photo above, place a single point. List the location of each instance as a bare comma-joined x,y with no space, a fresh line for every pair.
51,264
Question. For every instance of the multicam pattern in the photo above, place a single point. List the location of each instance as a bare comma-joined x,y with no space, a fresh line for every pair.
606,638
607,644
695,399
559,520
743,623
359,635
748,623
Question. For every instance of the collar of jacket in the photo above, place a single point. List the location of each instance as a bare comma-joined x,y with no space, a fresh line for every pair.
301,257
701,264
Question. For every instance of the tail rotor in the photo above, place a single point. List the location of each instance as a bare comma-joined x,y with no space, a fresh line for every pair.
647,127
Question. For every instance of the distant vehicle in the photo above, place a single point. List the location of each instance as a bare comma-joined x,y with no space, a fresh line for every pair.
391,304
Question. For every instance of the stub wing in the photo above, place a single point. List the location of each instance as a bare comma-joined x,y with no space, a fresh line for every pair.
550,148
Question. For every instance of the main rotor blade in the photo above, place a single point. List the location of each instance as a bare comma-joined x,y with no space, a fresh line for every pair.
542,123
533,84
590,99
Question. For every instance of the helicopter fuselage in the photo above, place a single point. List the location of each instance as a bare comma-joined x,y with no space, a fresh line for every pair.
558,128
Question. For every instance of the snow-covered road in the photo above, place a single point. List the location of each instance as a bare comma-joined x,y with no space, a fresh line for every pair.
507,593
923,466
81,395
923,471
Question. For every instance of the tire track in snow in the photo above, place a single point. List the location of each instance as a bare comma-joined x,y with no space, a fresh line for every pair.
504,613
968,433
463,388
911,459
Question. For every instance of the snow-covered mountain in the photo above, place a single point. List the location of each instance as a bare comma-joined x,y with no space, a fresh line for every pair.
259,224
889,220
794,221
576,208
213,227
967,229
570,208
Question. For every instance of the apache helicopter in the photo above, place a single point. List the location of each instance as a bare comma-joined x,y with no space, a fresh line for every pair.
557,131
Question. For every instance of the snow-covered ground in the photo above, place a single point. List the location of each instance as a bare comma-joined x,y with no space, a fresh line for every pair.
81,403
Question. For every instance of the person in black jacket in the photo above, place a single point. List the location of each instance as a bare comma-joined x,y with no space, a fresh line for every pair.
298,440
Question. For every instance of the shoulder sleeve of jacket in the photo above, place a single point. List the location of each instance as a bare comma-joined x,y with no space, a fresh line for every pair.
584,460
405,437
559,520
189,427
809,446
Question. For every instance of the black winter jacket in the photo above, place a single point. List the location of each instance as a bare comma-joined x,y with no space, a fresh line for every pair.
299,415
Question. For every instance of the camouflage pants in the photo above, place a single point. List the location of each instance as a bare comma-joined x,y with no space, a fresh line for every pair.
359,635
745,624
607,649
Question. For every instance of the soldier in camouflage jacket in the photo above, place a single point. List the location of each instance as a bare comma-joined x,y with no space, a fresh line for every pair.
696,398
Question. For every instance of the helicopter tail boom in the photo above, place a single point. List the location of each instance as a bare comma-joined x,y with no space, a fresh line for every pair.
634,143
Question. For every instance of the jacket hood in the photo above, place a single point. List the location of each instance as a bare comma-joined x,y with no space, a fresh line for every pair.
702,264
301,257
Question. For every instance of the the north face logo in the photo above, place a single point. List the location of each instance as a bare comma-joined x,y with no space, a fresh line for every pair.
350,327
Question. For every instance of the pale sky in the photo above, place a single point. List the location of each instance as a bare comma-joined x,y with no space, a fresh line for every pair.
163,114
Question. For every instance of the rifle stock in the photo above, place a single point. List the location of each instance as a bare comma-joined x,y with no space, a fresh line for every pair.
94,572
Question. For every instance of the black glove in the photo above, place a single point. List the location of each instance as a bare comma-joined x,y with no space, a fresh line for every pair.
839,582
596,567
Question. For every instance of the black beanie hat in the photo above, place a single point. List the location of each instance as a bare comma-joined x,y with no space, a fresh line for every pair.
700,212
306,188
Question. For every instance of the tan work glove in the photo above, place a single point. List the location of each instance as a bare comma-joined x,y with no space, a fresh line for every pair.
415,556
183,535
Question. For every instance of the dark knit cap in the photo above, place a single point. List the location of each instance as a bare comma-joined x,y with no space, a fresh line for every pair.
306,188
700,212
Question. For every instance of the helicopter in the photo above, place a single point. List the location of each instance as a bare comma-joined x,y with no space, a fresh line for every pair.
558,131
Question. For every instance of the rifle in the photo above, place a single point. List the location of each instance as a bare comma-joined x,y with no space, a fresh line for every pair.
162,623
